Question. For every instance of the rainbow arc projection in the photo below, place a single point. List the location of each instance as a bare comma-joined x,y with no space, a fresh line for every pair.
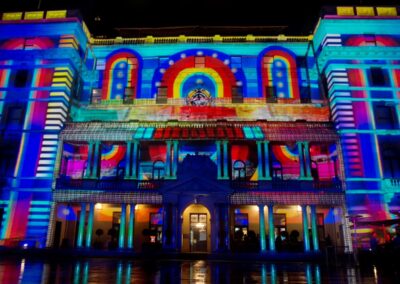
28,44
278,70
112,159
121,72
195,78
366,40
285,158
206,69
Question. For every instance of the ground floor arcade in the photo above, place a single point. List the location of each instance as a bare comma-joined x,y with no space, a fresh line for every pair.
198,226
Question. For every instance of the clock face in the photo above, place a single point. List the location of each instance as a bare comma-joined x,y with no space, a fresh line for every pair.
199,97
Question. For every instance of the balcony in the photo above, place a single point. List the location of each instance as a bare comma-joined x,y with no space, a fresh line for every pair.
287,185
109,185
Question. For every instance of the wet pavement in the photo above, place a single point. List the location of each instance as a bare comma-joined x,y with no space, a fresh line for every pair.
33,270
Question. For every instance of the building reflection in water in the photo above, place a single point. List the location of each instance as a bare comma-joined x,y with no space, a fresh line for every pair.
196,271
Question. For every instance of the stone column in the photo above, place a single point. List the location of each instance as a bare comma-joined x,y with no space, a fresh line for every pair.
81,228
175,218
166,228
314,227
219,159
263,245
267,165
301,159
96,159
168,160
131,226
225,160
175,158
134,164
89,231
307,159
227,227
271,228
51,230
306,236
179,230
121,240
89,164
128,160
260,167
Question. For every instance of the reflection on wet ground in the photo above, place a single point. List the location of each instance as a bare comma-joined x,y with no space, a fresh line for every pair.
193,271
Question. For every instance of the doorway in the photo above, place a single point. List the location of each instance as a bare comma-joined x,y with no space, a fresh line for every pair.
196,229
198,232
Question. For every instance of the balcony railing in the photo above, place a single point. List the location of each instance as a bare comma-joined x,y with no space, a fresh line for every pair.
112,185
288,185
391,183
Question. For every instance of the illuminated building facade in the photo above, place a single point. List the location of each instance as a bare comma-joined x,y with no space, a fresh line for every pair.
197,144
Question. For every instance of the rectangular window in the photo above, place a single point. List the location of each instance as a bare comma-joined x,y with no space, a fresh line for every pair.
271,94
385,116
129,94
279,223
14,117
378,77
96,96
390,158
320,226
21,78
237,95
161,95
241,226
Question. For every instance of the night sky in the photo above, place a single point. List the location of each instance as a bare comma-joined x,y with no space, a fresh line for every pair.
293,17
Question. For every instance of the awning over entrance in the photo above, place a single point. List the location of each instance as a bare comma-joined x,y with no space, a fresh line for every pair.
290,198
272,131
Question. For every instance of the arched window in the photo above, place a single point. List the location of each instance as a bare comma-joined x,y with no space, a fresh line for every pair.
279,76
239,170
120,78
158,169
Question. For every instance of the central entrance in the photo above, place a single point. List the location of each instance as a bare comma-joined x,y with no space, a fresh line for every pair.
196,229
198,232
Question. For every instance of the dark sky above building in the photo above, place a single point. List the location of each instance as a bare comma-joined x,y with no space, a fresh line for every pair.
103,17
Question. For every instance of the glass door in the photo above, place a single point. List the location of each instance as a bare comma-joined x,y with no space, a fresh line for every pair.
198,232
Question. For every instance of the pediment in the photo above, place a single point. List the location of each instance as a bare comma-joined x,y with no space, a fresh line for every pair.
198,185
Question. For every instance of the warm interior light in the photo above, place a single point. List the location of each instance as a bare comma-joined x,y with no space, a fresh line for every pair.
98,206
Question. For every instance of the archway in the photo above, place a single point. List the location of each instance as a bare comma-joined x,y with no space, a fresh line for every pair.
196,229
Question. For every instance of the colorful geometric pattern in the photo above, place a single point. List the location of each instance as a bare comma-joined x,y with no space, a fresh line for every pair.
278,70
208,69
122,71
